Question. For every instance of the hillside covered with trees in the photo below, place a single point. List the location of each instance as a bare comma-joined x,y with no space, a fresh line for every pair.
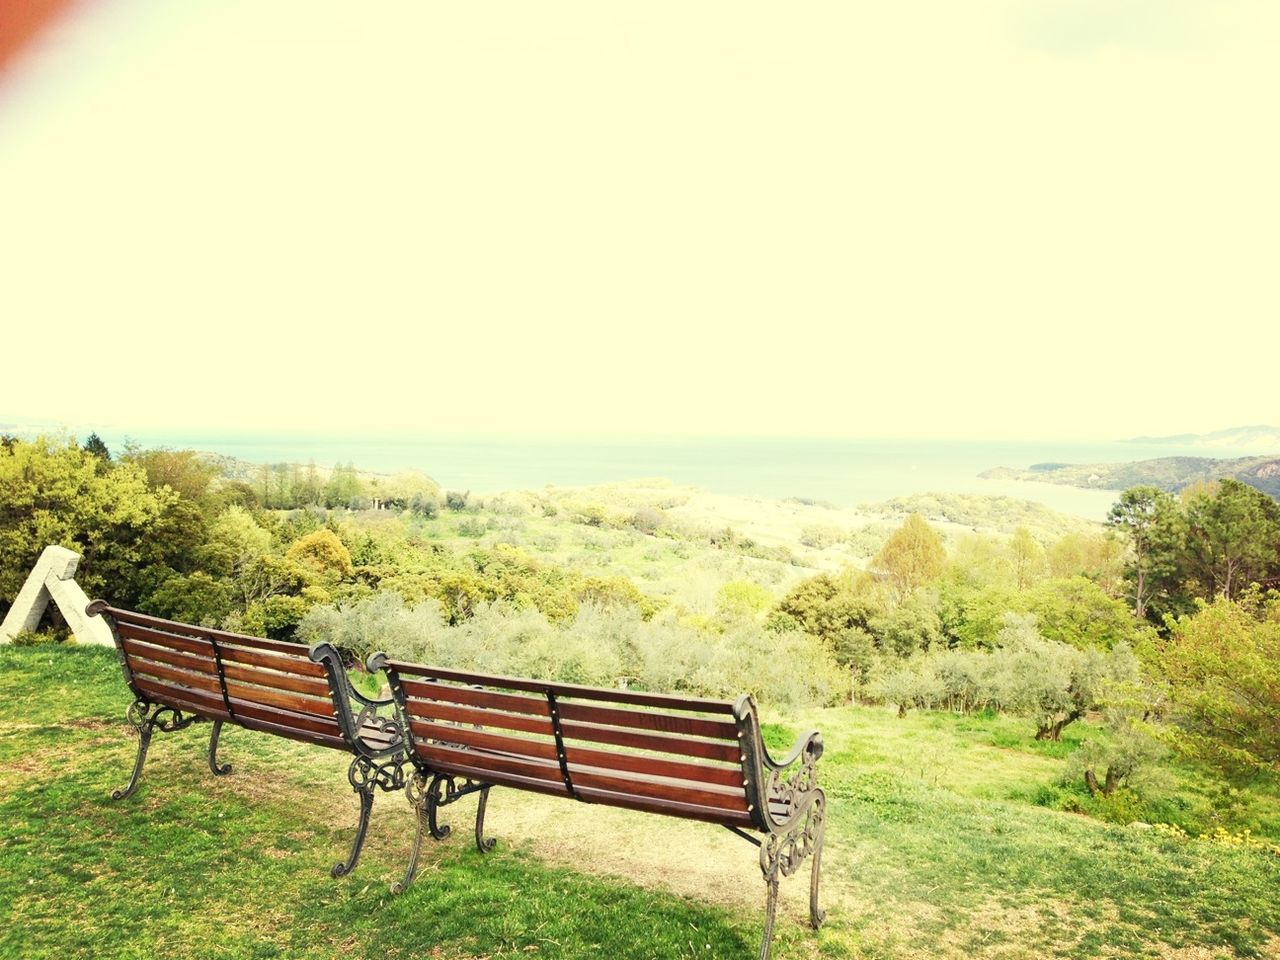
1159,631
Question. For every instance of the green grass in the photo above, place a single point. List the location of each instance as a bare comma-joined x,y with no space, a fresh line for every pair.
934,850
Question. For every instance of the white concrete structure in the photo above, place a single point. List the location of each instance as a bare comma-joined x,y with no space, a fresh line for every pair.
53,578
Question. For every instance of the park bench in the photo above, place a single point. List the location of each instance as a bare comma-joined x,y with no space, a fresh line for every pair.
678,756
182,674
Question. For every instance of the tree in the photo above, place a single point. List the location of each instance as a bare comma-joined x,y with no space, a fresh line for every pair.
912,626
235,539
911,557
53,492
323,553
1077,612
1148,517
1223,668
1100,557
1028,558
825,605
1233,538
1052,683
1107,764
182,471
344,488
94,445
197,598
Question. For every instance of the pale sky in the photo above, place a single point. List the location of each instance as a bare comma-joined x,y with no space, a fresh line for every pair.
1042,219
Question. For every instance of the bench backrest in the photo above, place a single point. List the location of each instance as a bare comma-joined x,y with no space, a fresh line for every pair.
261,684
686,757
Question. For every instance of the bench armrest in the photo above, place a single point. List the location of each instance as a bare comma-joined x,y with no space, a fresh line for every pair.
368,701
808,744
789,784
344,694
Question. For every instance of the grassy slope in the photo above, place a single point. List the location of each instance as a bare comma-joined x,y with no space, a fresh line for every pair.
932,852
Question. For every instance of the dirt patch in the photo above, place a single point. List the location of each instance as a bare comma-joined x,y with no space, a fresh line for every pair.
88,723
690,859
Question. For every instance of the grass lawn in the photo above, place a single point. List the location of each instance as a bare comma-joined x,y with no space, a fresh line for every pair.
934,849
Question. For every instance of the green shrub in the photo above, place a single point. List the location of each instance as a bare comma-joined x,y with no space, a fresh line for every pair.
39,638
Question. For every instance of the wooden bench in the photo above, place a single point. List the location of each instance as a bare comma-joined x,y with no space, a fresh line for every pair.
182,674
679,756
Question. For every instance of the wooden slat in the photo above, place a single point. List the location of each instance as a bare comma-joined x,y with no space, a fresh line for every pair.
648,720
272,678
200,681
284,718
293,733
173,641
656,766
681,746
221,636
542,749
569,710
175,658
693,773
279,698
511,702
666,807
508,780
637,786
444,757
431,710
607,694
670,808
190,700
302,666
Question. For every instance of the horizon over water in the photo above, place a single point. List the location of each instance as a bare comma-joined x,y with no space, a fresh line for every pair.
845,472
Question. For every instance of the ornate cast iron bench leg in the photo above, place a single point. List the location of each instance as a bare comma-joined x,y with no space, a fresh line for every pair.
146,717
219,770
415,792
819,814
343,867
139,718
437,796
427,797
482,844
444,791
783,854
366,775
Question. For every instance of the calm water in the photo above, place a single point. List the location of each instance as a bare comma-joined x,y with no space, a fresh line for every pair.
844,472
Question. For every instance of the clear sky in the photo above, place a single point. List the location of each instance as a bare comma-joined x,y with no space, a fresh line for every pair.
1051,218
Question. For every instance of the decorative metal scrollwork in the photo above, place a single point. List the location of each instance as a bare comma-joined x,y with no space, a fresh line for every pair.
782,854
366,773
146,717
368,718
790,786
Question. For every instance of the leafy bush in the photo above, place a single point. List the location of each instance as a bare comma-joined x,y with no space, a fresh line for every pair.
1028,675
38,638
597,645
821,536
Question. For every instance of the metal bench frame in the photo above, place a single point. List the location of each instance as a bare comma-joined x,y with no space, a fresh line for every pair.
373,766
785,806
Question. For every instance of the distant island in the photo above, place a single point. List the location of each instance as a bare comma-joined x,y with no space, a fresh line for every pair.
1170,473
1262,438
1167,473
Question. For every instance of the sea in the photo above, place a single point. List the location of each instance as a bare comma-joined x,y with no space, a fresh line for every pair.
843,472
